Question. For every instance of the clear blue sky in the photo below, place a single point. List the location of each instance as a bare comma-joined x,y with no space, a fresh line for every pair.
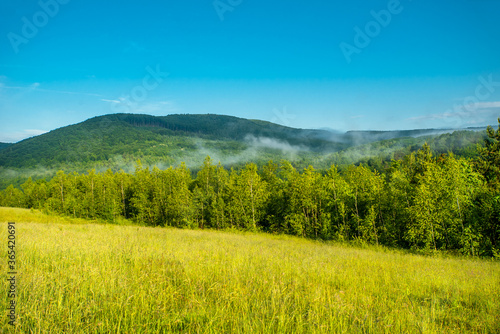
345,65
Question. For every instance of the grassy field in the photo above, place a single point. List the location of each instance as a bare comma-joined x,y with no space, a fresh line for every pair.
77,277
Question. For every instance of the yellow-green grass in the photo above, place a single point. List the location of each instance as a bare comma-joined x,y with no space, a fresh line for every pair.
96,278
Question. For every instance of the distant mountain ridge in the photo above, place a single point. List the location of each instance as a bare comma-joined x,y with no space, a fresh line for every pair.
227,127
103,137
4,145
173,137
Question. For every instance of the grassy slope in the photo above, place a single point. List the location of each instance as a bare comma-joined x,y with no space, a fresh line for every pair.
91,278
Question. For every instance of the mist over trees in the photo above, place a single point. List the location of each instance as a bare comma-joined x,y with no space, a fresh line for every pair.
420,201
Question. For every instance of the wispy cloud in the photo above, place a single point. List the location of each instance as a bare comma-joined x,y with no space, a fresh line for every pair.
440,116
154,107
36,87
31,87
111,101
68,92
470,111
13,137
274,144
34,132
123,104
486,105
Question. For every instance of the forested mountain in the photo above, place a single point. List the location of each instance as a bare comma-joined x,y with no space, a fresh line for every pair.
116,141
103,137
4,145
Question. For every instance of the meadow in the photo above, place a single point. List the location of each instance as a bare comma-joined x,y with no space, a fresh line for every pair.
78,276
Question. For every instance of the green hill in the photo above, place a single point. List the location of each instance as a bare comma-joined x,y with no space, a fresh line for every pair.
167,138
117,141
4,145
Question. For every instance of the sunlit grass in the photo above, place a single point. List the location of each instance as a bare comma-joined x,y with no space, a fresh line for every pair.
95,278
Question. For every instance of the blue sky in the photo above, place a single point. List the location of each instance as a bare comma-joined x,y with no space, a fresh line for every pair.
345,65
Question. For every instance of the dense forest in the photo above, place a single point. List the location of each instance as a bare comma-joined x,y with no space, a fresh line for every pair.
4,145
421,200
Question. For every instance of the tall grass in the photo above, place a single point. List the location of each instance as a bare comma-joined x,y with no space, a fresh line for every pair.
94,278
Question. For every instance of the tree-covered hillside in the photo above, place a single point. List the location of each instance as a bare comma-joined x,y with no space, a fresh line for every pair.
4,145
116,141
105,137
170,137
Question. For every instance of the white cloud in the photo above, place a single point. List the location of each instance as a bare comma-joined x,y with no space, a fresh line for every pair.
35,132
36,86
13,137
479,109
127,105
437,116
273,143
111,101
66,92
162,107
485,105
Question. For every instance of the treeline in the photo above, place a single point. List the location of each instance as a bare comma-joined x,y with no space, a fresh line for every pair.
420,202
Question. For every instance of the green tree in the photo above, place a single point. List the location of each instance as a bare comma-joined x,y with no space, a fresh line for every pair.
35,193
218,207
443,198
276,208
13,197
124,184
142,196
172,198
294,219
73,196
489,157
398,200
366,202
208,192
338,194
308,198
109,196
248,196
487,208
57,191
